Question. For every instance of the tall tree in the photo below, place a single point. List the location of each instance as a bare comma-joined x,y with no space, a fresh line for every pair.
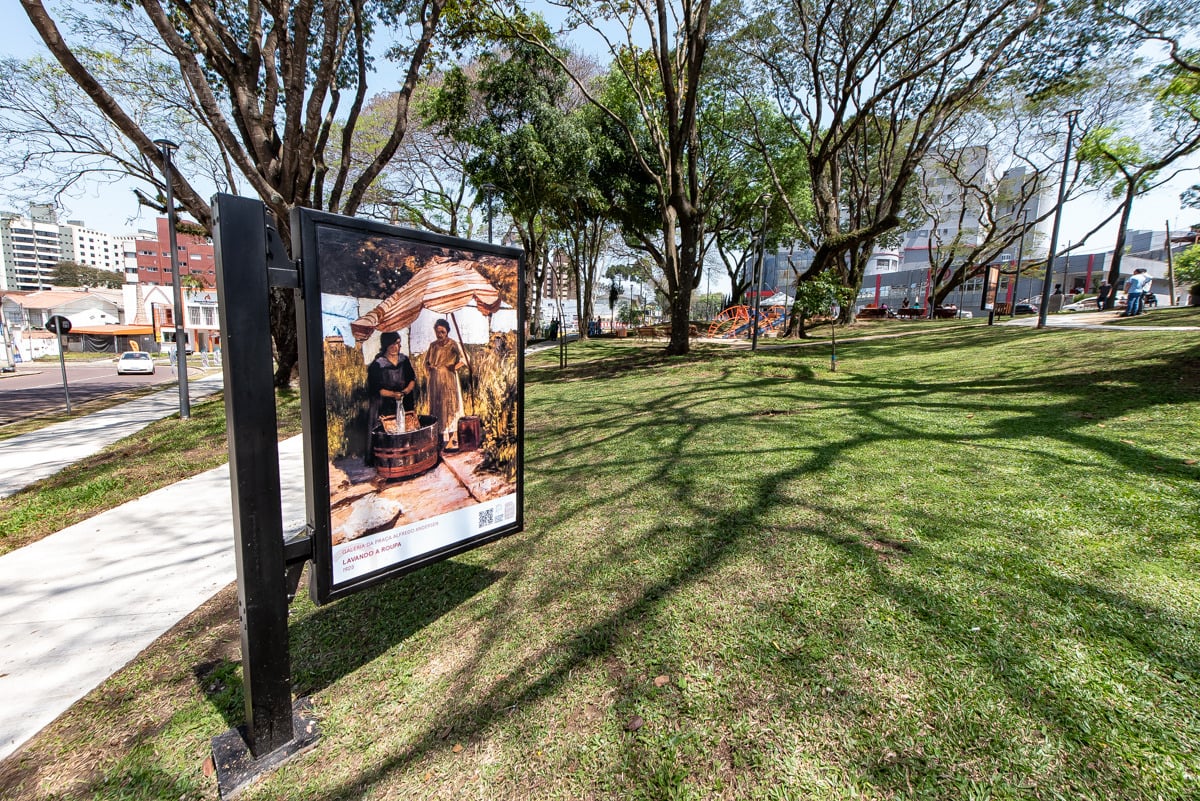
658,49
582,218
739,150
267,80
1140,150
871,87
524,143
1132,158
426,184
984,192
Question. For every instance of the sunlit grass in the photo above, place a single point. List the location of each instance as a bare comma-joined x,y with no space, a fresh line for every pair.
965,565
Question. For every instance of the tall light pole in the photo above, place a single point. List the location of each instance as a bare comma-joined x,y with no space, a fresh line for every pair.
758,269
488,190
1072,116
167,147
1012,310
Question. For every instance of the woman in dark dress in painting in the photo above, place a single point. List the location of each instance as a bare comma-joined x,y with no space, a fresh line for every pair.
390,385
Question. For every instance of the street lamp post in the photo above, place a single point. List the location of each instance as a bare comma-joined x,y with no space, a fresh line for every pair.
758,269
1072,116
1012,309
167,147
488,191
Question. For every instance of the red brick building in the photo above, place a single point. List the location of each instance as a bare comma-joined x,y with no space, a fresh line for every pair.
195,257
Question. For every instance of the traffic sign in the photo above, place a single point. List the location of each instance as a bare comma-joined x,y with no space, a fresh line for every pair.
58,325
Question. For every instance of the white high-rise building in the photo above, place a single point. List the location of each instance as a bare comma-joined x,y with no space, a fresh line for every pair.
30,248
92,248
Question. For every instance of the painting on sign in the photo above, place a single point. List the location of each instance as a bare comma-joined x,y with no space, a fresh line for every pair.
418,355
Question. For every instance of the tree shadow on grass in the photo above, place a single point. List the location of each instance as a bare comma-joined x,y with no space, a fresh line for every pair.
723,534
633,358
339,638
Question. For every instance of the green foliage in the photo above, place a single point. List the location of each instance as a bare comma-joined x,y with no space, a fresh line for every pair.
1187,265
1112,156
69,273
820,293
527,146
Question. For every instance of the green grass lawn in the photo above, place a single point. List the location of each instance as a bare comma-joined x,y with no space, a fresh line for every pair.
963,566
164,452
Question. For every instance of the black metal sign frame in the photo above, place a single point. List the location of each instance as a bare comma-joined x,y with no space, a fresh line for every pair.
464,528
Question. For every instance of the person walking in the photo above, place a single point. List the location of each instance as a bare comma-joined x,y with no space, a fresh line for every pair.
1102,295
1135,290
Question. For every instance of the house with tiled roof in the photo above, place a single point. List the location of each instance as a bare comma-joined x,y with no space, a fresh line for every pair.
82,306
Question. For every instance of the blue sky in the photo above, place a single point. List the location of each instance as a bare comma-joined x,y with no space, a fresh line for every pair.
112,208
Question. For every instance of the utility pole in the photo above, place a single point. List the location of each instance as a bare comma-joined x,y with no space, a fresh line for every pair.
758,269
167,147
1170,268
1072,116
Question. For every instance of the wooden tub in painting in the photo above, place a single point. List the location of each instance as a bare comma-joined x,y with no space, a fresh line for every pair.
407,453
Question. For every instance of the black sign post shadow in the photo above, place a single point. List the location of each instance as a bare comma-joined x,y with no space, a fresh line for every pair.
249,260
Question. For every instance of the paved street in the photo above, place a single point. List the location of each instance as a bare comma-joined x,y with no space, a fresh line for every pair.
36,388
29,457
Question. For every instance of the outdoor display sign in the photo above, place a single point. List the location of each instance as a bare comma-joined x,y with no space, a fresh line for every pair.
991,283
412,374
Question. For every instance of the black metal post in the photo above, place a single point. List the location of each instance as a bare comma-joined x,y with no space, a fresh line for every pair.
1012,310
832,340
1072,116
1170,267
167,147
240,237
759,265
62,365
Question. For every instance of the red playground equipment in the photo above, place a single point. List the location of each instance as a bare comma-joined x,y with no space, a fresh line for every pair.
736,321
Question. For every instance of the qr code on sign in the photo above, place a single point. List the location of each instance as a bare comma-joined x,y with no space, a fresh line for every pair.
485,518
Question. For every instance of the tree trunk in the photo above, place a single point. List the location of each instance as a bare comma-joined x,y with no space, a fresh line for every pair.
1114,269
687,272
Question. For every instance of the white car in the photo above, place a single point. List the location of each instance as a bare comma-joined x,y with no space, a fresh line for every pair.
135,361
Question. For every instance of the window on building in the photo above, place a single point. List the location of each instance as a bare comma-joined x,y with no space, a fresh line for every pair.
193,314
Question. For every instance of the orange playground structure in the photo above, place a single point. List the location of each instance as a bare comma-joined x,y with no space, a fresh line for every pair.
737,321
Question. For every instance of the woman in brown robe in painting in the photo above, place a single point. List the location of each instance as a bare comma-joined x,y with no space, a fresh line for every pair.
442,361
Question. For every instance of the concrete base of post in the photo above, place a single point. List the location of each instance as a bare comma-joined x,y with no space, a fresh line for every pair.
237,768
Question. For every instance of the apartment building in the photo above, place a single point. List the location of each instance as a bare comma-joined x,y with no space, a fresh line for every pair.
195,256
30,249
31,246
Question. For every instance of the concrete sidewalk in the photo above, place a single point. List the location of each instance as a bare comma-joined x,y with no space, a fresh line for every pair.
30,457
1097,321
81,603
